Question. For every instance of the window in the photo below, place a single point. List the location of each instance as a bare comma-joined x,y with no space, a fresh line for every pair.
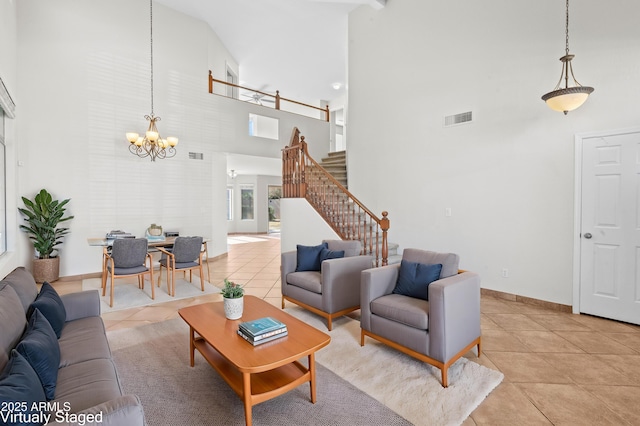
246,193
229,203
263,127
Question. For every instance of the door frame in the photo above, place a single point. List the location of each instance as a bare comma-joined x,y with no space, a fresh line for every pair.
577,206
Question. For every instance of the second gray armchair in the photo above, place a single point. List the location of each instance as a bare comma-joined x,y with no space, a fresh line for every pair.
324,279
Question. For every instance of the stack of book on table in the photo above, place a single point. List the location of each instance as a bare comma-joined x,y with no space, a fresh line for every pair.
262,330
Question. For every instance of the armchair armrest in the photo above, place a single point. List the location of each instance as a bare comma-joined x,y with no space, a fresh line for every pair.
288,262
375,282
82,304
454,314
341,282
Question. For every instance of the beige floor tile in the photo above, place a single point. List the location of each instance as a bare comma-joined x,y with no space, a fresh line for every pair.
508,406
621,399
259,282
520,367
546,341
558,322
602,324
595,343
625,364
492,305
588,369
502,341
630,340
514,321
566,404
487,323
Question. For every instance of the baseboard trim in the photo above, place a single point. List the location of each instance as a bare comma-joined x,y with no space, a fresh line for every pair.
527,300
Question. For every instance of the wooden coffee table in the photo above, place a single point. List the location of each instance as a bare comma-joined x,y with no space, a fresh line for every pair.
255,373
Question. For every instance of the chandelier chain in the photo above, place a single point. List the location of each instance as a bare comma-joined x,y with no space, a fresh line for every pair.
151,46
566,32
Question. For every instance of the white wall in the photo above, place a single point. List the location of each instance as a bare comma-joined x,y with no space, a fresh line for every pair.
301,224
83,81
508,177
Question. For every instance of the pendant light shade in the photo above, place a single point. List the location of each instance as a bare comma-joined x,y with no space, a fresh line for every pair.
570,97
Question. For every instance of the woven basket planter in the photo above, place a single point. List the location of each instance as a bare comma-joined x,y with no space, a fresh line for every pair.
46,269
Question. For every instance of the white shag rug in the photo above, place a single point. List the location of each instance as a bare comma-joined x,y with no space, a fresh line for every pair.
128,295
409,387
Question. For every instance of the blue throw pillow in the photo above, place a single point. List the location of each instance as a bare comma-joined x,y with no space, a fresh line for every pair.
20,388
414,279
309,257
325,254
39,346
51,307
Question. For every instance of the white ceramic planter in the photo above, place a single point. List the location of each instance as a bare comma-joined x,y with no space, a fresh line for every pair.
233,307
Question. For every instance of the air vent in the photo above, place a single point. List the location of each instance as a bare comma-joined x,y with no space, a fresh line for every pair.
454,120
196,156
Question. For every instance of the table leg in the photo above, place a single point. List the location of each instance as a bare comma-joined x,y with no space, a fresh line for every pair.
246,397
312,382
192,346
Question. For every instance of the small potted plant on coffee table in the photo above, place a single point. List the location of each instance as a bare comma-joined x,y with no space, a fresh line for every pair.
233,296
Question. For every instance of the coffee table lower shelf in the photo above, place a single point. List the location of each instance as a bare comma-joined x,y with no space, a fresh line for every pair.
262,386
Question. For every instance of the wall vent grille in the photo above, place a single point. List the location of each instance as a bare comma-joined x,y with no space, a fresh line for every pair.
196,156
456,119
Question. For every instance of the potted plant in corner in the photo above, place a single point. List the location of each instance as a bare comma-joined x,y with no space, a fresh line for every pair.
43,214
233,296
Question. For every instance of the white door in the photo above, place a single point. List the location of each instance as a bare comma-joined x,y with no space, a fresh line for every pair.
610,227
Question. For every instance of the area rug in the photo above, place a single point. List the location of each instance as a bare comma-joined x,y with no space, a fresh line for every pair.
128,295
409,387
406,386
153,363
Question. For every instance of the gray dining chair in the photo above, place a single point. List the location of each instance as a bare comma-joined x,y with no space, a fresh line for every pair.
186,255
128,258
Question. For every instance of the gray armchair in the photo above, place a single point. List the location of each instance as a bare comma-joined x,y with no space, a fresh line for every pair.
186,255
332,291
437,331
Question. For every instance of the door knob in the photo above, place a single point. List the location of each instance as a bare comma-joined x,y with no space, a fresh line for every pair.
588,236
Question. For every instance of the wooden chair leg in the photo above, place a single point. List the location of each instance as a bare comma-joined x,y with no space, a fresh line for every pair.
112,284
153,288
201,278
445,379
282,302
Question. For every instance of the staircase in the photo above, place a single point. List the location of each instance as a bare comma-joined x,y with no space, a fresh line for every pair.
303,177
336,165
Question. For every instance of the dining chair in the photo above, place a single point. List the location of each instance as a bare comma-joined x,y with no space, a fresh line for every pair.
186,255
128,258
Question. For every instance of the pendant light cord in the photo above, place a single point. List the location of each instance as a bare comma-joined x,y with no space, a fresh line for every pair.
566,30
151,45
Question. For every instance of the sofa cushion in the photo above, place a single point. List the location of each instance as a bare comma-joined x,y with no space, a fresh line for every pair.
88,383
12,322
25,286
82,340
308,257
414,279
330,254
20,384
51,307
39,346
308,280
407,310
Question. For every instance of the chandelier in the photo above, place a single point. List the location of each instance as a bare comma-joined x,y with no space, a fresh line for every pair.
151,144
568,98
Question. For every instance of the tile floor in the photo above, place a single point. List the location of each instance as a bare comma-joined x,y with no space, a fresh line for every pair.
559,368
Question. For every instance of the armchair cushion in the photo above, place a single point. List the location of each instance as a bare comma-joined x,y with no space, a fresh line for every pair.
403,309
51,306
40,348
308,280
330,254
309,257
414,279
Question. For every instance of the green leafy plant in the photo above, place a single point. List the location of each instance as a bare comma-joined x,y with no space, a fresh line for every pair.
231,290
43,214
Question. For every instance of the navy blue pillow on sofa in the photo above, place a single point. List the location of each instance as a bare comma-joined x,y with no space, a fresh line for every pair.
39,346
51,307
414,279
309,257
330,254
20,384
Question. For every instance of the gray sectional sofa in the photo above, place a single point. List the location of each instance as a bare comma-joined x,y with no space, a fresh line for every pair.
85,388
